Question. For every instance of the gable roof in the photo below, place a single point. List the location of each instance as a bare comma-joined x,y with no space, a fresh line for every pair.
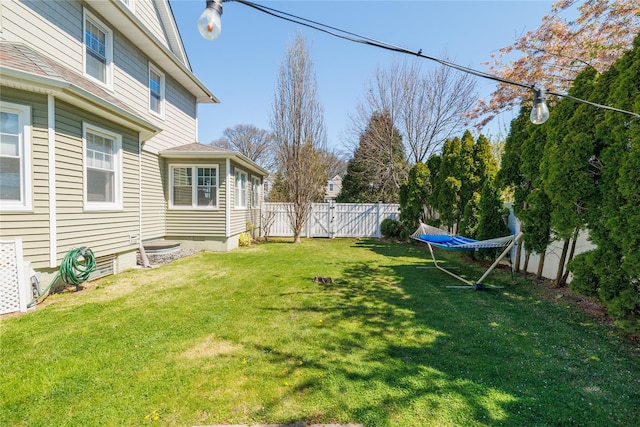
21,67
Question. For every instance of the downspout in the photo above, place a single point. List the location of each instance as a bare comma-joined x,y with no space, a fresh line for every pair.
228,200
143,254
53,220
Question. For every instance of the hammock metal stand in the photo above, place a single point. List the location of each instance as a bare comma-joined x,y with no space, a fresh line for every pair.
436,237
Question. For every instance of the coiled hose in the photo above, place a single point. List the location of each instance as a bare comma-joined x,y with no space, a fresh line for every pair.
76,267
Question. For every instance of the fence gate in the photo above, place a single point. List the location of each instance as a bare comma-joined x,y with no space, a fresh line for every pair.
320,220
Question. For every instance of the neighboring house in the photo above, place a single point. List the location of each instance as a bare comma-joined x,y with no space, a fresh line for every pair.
98,123
334,186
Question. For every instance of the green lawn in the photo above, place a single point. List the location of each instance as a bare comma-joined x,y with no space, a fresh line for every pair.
248,337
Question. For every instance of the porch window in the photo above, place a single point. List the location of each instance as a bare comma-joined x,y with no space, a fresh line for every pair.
15,157
241,190
102,171
255,193
194,187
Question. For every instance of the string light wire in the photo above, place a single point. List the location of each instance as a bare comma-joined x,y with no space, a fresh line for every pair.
346,35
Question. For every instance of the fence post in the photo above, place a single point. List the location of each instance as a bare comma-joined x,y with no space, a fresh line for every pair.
378,220
330,216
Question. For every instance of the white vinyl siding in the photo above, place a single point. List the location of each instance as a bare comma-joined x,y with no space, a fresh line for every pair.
98,51
156,91
32,226
240,189
154,202
15,157
193,186
102,169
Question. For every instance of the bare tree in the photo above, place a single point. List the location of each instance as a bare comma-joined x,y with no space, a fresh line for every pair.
427,108
299,134
256,144
335,162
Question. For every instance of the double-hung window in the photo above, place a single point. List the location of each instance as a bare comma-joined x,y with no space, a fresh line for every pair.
102,169
241,189
98,50
194,187
156,91
255,193
15,157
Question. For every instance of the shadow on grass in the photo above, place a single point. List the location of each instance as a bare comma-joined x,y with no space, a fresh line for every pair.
405,350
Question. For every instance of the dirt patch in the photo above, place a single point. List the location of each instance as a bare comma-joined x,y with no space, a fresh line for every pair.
210,347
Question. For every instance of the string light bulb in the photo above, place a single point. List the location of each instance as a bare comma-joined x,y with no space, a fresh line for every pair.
209,23
540,111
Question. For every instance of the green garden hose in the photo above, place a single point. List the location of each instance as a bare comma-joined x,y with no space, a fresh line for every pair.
75,269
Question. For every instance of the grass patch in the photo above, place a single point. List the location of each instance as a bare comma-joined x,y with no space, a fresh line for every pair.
248,337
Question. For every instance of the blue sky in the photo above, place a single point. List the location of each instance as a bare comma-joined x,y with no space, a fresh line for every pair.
241,66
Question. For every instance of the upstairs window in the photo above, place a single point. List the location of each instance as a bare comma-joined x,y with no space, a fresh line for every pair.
103,169
241,190
194,187
98,50
15,157
156,91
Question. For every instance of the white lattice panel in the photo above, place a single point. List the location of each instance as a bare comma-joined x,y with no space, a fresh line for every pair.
10,263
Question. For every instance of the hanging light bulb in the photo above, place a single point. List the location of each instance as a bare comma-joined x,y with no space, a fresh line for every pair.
209,23
540,111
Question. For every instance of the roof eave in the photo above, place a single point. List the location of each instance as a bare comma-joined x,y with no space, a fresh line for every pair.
77,96
130,25
217,155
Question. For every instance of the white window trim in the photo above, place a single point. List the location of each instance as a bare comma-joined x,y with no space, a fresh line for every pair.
194,187
108,49
102,206
255,192
162,91
236,202
26,204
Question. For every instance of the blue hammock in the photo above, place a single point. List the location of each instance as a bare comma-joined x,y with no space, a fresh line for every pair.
439,238
460,243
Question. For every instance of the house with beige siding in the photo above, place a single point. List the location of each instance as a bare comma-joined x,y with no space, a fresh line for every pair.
98,128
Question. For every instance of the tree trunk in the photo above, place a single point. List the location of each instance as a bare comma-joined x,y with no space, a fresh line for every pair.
540,265
572,252
518,256
526,264
557,283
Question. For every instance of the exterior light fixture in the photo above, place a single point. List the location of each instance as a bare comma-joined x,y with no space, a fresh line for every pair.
540,111
209,23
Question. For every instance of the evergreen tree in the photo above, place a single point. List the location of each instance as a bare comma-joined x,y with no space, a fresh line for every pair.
471,217
356,183
486,165
467,172
612,270
414,197
379,165
490,222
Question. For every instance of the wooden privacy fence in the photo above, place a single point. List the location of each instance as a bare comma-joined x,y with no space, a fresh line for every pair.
330,219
